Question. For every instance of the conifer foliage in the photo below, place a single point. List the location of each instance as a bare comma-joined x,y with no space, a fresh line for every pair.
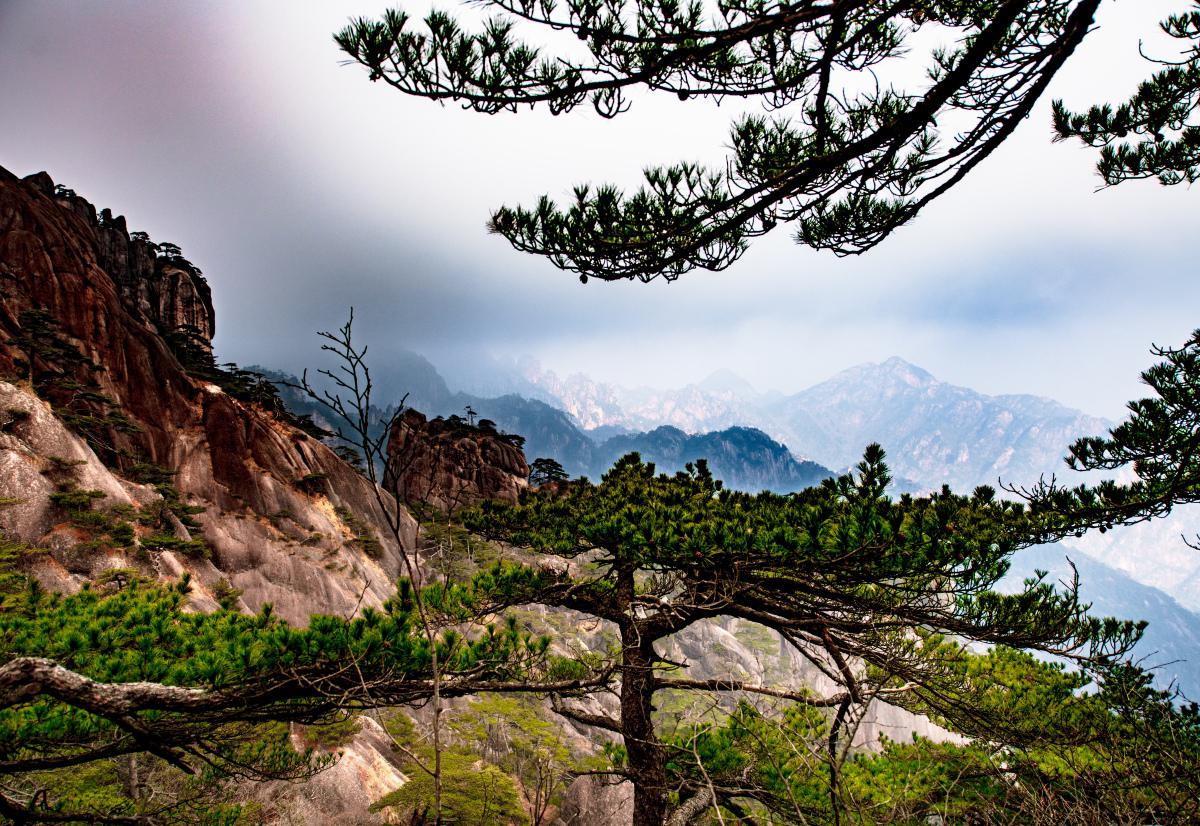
1156,133
121,675
1159,442
863,587
845,152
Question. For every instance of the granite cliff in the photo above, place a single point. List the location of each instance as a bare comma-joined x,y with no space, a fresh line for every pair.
450,463
88,317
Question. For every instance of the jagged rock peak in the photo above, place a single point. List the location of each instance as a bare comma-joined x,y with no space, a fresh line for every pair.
452,463
894,368
154,280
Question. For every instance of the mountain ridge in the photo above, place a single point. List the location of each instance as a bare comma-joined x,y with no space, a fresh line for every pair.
934,432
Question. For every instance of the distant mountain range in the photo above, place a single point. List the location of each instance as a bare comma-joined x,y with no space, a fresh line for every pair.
934,433
744,458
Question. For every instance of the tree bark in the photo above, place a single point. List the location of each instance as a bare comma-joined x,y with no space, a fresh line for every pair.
647,761
692,808
646,757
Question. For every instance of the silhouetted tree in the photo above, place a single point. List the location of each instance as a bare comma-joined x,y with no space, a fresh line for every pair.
1156,133
852,153
543,470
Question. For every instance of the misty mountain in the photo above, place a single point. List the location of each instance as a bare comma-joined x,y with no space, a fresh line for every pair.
934,432
413,380
722,400
744,458
1172,639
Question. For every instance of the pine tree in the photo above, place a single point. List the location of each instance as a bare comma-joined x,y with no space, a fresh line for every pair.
847,153
543,470
863,587
1156,133
122,675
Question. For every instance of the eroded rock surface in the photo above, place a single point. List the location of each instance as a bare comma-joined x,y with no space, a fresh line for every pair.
451,464
288,522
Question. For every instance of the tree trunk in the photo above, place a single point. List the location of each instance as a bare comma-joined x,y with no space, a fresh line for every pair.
647,760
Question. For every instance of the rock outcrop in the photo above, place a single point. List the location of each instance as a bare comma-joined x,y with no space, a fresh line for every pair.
99,405
451,464
155,282
285,519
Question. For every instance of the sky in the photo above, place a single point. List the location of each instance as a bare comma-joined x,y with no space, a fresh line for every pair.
236,130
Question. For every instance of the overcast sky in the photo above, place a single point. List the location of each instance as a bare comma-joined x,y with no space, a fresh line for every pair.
234,130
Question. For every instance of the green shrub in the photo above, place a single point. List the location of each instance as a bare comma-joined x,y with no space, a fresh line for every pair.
149,474
474,793
331,736
188,547
362,540
225,594
92,520
70,498
122,534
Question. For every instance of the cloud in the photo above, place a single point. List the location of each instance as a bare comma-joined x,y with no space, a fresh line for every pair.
301,189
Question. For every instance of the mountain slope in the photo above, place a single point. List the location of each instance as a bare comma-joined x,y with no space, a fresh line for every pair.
1172,640
744,458
934,432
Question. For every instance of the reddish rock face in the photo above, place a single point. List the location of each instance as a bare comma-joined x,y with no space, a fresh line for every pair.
90,308
452,465
86,311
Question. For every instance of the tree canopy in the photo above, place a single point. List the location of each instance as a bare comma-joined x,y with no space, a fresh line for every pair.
1159,443
846,151
876,594
122,672
1155,134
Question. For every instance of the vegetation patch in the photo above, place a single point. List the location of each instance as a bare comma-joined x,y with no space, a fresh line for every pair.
225,594
73,499
363,540
331,736
188,547
246,386
474,793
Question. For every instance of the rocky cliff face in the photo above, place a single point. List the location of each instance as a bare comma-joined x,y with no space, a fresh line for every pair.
450,464
177,475
84,314
155,283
